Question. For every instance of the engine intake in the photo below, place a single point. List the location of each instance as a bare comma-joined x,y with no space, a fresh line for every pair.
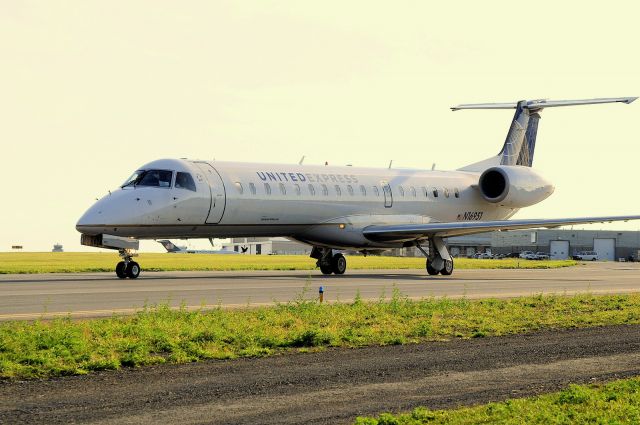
514,186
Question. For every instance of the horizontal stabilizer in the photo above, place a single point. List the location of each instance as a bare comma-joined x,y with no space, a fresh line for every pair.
407,232
520,144
544,103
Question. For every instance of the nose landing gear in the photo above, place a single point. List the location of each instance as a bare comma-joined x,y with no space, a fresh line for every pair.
127,267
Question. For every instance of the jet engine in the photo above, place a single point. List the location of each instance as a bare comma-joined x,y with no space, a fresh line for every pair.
514,186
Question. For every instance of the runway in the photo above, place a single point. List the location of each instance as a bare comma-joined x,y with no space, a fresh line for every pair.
27,297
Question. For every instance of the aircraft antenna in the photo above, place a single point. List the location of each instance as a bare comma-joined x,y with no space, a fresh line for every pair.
301,160
390,163
433,166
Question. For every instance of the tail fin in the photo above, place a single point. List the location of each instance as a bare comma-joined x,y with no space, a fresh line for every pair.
169,246
519,147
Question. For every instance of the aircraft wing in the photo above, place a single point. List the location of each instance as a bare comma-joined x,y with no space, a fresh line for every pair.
407,232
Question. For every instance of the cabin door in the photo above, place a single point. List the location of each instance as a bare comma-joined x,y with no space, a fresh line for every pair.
218,198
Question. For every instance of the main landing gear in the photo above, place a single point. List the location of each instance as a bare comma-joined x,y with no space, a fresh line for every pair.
438,259
127,267
328,261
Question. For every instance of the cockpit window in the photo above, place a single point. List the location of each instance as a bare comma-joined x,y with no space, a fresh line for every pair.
156,178
133,179
185,181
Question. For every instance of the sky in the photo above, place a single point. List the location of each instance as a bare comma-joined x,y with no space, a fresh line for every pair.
91,90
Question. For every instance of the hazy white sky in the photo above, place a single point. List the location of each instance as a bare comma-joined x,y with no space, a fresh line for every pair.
90,90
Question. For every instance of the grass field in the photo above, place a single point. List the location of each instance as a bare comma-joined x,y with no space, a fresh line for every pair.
159,335
70,262
617,402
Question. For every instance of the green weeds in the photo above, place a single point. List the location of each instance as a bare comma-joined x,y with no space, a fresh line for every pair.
617,402
159,334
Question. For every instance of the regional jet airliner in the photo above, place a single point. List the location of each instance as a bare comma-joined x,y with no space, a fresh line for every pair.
332,208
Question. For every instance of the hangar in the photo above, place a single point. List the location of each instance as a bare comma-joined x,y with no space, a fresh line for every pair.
267,246
610,245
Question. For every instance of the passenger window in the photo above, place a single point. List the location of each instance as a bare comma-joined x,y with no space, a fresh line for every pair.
456,193
325,190
435,192
446,192
350,189
156,178
239,187
413,191
401,190
185,181
252,188
297,188
283,190
376,191
312,190
338,191
363,190
267,189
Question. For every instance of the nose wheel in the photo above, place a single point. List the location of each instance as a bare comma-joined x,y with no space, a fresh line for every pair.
121,270
127,268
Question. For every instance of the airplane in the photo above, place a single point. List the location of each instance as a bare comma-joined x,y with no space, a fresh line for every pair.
174,249
333,208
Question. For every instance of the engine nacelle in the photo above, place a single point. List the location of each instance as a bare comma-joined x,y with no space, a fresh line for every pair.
514,186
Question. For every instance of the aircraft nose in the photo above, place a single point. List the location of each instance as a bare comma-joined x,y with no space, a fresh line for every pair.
100,214
88,220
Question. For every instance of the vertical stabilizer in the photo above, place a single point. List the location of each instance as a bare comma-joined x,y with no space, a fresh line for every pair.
169,246
520,144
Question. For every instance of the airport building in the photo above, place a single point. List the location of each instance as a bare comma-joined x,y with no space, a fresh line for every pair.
267,246
610,245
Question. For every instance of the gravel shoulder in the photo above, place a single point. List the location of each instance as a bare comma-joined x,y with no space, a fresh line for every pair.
333,386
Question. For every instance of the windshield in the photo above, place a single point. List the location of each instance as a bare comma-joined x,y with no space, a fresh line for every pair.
155,178
133,179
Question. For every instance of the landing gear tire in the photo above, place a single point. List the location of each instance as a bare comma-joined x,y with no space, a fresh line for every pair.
120,270
339,264
430,270
448,268
326,269
133,270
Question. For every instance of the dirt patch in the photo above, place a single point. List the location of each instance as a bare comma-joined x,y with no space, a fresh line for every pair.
333,386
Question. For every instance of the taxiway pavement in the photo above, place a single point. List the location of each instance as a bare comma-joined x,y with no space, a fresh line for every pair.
25,297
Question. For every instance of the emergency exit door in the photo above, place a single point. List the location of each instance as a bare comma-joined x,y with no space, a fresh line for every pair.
388,196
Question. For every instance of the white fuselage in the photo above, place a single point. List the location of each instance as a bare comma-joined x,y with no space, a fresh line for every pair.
321,205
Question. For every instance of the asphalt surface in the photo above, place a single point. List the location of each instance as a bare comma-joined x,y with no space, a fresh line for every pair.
102,294
333,386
